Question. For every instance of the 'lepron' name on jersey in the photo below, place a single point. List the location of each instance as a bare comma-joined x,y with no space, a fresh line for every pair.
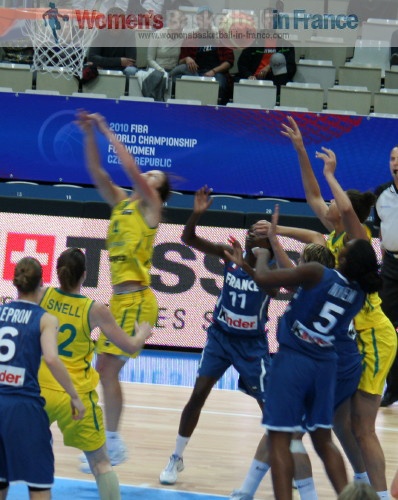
12,315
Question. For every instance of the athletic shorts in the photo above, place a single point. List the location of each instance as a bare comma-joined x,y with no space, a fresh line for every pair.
127,308
300,392
25,442
347,384
349,371
249,356
87,434
378,348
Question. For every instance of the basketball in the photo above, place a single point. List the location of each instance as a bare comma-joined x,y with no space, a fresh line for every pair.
239,29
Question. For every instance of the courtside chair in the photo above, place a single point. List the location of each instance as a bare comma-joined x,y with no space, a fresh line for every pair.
202,88
386,101
42,92
54,79
358,99
111,83
306,95
262,92
316,71
189,102
373,53
136,98
327,48
17,76
365,76
243,105
89,95
391,78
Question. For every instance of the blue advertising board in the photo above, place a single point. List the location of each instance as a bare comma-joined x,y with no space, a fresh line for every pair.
234,151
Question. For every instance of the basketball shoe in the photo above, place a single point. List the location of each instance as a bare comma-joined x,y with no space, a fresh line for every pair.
170,473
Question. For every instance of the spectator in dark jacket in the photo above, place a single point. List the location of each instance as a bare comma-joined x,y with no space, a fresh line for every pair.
269,58
114,48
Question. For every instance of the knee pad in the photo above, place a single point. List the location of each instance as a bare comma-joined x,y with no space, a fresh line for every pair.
296,446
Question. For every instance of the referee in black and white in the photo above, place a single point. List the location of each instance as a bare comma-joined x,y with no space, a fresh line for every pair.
386,219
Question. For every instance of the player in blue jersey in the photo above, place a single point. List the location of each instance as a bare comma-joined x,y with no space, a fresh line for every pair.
300,392
26,333
237,335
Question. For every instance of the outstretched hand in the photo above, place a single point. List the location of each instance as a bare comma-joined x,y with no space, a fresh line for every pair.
202,200
83,121
272,230
236,255
293,132
100,122
329,159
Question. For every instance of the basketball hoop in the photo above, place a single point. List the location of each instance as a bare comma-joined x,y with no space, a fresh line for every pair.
58,41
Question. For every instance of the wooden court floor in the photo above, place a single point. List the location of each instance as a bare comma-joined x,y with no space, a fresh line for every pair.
221,448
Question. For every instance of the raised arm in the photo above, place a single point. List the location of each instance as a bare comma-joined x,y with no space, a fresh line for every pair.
101,317
49,347
310,183
111,193
281,257
201,203
297,233
149,194
351,223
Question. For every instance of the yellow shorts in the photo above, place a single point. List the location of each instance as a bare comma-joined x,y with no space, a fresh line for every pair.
378,347
87,434
127,308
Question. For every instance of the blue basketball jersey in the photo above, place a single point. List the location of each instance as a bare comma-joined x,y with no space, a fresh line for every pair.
20,349
316,317
242,307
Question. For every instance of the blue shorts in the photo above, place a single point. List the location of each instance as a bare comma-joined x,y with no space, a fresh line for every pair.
347,382
25,442
300,393
249,356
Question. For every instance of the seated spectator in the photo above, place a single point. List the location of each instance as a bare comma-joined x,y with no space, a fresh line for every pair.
269,58
394,49
16,55
163,57
210,59
114,47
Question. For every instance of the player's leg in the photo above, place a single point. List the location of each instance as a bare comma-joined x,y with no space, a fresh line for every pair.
105,477
282,465
303,479
365,407
37,494
394,486
214,362
253,377
127,309
331,458
342,427
188,422
109,366
3,490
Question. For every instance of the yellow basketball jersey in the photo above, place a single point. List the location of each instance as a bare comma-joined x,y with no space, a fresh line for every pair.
130,244
75,346
371,314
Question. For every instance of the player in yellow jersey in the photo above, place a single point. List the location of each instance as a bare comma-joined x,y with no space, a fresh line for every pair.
78,316
132,229
376,335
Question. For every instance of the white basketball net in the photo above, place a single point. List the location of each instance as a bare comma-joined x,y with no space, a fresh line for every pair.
59,44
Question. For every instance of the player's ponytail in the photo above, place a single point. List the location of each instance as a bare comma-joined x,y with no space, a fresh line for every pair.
361,266
28,275
71,265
